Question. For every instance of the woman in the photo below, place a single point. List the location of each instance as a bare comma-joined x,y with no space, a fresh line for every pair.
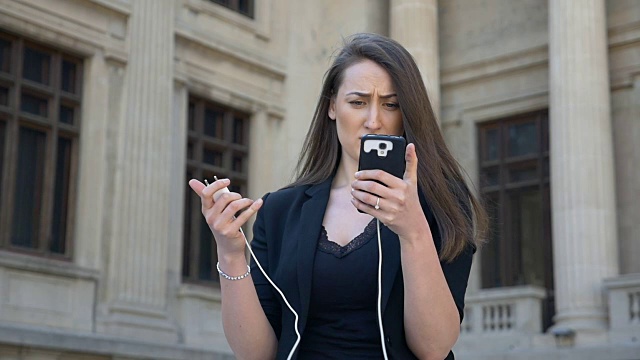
316,246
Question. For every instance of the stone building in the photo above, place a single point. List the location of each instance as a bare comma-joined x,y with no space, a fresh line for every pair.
107,107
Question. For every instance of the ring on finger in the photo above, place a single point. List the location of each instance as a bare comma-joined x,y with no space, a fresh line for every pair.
377,207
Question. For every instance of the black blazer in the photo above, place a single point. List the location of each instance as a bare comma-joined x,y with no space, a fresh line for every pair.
285,236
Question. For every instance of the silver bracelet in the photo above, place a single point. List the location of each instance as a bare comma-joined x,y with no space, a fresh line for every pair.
232,278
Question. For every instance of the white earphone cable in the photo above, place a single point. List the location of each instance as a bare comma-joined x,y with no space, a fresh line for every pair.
295,314
384,347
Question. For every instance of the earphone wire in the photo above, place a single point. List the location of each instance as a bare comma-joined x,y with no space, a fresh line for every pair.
295,314
384,347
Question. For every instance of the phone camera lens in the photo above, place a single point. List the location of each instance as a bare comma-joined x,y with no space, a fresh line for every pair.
382,146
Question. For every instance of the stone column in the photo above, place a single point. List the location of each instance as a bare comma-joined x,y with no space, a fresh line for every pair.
414,24
136,293
582,174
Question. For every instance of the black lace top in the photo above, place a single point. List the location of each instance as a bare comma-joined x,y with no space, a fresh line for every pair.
342,320
327,246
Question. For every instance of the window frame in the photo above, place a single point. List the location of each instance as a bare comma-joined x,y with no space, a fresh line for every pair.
234,5
15,119
196,167
506,253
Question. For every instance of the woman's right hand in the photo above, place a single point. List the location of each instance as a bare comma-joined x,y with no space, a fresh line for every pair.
220,215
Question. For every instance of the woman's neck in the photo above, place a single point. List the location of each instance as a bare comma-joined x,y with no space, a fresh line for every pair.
345,173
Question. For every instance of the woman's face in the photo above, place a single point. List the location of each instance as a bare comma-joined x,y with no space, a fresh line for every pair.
366,103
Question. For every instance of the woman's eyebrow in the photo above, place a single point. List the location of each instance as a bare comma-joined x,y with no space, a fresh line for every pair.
365,94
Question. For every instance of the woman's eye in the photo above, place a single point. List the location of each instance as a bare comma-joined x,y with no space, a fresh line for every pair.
357,102
392,105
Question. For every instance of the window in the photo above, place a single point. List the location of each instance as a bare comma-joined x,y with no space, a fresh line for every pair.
244,7
514,173
40,99
216,145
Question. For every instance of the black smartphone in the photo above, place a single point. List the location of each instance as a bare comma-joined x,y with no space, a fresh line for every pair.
384,152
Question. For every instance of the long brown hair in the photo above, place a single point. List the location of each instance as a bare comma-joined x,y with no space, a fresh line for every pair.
460,217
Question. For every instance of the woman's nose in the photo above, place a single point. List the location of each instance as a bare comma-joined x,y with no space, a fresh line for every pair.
373,120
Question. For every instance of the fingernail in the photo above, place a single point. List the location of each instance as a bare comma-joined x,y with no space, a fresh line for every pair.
256,203
357,175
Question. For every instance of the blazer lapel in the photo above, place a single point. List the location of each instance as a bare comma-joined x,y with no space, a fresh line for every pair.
390,262
311,215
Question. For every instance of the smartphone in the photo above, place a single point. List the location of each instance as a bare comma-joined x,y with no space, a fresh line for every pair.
384,152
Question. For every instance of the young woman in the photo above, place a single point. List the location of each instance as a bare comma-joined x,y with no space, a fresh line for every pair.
322,252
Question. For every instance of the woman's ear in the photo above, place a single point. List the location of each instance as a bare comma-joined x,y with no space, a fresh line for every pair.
332,108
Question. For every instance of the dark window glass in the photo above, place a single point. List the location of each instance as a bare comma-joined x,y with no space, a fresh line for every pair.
238,131
238,162
35,105
526,223
216,146
545,132
36,66
244,7
523,139
69,77
61,196
491,177
28,185
206,253
4,96
191,116
2,142
213,123
5,56
491,148
525,173
67,114
491,252
191,201
190,150
212,157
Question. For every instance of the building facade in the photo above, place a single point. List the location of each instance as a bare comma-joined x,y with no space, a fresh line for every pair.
108,107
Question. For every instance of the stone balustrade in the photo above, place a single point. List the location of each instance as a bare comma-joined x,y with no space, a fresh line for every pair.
504,310
623,294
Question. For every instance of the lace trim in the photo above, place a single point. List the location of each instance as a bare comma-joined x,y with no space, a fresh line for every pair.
327,246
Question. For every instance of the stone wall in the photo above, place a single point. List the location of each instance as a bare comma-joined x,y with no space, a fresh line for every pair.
122,295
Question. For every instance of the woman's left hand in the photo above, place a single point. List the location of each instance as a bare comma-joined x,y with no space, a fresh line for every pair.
398,205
